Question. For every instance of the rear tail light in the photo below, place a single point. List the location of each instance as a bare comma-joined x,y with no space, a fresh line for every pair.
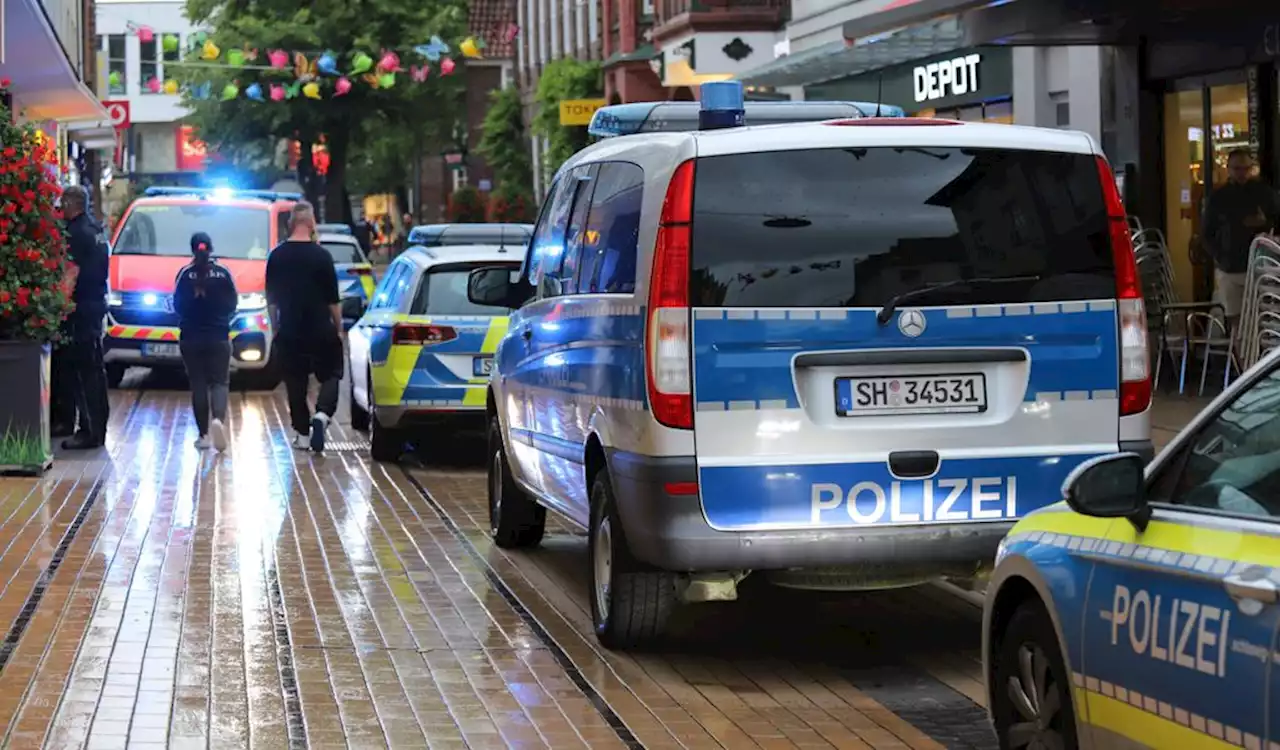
667,353
1135,363
422,335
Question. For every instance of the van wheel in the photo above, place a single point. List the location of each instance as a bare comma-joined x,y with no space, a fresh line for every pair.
515,519
1032,688
385,444
630,601
115,375
359,414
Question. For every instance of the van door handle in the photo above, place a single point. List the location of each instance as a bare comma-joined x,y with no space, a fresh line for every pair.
1252,585
913,464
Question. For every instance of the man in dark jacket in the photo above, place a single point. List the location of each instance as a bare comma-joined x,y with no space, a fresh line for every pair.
82,351
205,299
1235,213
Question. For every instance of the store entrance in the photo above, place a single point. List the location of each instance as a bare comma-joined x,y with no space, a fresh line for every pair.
1204,121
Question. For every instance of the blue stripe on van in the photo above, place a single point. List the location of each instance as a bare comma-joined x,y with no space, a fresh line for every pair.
819,495
744,356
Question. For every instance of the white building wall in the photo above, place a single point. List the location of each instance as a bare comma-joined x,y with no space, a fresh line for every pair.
164,17
1058,87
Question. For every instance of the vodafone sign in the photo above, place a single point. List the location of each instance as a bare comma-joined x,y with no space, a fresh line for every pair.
118,111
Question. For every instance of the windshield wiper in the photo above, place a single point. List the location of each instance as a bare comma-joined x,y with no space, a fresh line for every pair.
891,306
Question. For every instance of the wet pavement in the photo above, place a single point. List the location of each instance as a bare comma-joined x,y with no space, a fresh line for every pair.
155,596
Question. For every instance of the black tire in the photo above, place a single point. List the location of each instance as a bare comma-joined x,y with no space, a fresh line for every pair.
385,444
636,602
516,520
359,414
115,375
1029,635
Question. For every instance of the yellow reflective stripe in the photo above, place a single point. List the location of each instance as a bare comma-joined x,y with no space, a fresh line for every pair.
497,330
1147,728
1059,519
401,362
1235,545
368,284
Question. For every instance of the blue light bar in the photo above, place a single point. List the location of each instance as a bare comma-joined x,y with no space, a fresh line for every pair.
678,117
266,195
722,106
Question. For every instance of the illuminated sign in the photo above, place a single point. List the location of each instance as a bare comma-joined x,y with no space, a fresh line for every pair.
192,153
955,77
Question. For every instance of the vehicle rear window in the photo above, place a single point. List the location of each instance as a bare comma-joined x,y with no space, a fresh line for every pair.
166,229
443,291
855,227
344,252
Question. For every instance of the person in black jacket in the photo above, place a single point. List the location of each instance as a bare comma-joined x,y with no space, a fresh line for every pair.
82,376
205,299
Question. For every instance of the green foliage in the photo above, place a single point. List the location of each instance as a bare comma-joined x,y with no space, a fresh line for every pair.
562,79
466,206
504,144
382,160
511,202
245,132
21,450
33,297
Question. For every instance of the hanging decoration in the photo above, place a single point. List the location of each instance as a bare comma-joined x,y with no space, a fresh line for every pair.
230,91
277,92
235,58
433,49
419,73
254,92
279,58
169,43
342,86
113,79
361,63
509,35
469,48
446,66
209,51
154,85
145,33
327,64
311,90
170,86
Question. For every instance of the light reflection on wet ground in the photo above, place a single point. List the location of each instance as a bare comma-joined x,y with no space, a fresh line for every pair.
155,596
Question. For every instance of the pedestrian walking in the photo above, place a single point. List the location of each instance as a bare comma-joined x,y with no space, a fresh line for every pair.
81,364
1235,213
205,300
302,295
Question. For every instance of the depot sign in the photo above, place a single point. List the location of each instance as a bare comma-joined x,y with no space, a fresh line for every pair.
945,78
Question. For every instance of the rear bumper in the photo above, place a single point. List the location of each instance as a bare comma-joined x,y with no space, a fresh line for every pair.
414,417
671,532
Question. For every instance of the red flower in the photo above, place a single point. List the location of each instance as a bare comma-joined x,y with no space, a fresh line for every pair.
4,297
5,83
51,264
4,237
9,152
24,296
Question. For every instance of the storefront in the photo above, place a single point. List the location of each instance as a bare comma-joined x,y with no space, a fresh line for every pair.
973,84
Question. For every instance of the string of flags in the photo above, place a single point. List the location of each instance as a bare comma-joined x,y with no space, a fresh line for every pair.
314,75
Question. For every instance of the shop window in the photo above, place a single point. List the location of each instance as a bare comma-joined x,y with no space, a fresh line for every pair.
114,46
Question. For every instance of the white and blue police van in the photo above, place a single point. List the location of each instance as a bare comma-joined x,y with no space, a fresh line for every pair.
842,354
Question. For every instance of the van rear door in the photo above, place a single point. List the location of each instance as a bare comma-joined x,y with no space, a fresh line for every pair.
900,335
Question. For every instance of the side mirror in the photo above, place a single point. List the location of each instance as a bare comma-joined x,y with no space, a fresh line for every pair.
1110,487
495,286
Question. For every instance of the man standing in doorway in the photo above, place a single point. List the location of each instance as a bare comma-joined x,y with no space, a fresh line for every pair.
81,353
1236,212
302,294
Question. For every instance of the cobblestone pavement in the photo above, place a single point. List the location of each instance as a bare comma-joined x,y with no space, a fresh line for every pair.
158,597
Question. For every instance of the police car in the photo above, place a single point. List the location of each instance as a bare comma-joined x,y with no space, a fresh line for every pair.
848,354
1143,611
468,235
355,274
420,356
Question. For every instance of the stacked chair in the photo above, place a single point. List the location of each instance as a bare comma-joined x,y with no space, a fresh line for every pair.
1260,311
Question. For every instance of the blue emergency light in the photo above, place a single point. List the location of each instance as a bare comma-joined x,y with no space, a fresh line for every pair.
220,193
678,117
723,106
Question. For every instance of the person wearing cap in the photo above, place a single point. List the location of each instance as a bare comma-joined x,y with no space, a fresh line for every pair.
80,354
205,298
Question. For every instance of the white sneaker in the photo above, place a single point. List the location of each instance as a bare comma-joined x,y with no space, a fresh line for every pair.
202,442
301,442
218,435
319,424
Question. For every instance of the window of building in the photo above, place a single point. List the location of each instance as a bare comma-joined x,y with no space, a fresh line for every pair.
1062,108
114,46
151,61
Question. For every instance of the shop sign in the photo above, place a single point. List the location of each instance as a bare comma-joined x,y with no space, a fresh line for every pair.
579,111
945,78
191,150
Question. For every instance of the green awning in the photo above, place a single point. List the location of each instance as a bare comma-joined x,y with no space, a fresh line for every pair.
643,53
842,59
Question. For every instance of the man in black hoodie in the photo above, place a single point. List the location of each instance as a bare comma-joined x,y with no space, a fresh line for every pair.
205,299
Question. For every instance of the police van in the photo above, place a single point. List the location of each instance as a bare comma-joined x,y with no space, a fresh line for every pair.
845,354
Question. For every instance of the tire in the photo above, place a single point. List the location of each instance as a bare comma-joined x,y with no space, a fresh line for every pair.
359,414
516,520
115,375
631,602
1030,636
385,444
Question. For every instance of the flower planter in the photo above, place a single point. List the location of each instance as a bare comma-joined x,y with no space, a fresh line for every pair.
25,446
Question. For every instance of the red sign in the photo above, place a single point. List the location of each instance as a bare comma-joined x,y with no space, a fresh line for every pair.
191,151
119,113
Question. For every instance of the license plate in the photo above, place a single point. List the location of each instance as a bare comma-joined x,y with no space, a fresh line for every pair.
162,350
911,394
483,366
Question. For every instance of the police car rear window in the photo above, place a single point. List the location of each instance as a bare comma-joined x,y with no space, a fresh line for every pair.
444,292
344,252
855,227
454,237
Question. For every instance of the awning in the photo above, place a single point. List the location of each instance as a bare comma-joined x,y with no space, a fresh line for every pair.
900,13
643,53
43,82
95,136
842,59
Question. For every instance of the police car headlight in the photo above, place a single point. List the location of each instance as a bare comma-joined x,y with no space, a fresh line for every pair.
252,301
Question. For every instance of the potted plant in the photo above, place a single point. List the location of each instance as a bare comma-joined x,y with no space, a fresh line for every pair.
466,206
33,298
510,204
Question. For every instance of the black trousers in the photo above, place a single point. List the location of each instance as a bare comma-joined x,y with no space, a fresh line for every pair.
302,358
88,381
208,364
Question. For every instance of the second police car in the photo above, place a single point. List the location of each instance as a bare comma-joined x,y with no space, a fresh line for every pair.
355,274
420,356
846,354
1145,610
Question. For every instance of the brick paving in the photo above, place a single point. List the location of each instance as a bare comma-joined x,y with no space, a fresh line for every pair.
158,597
